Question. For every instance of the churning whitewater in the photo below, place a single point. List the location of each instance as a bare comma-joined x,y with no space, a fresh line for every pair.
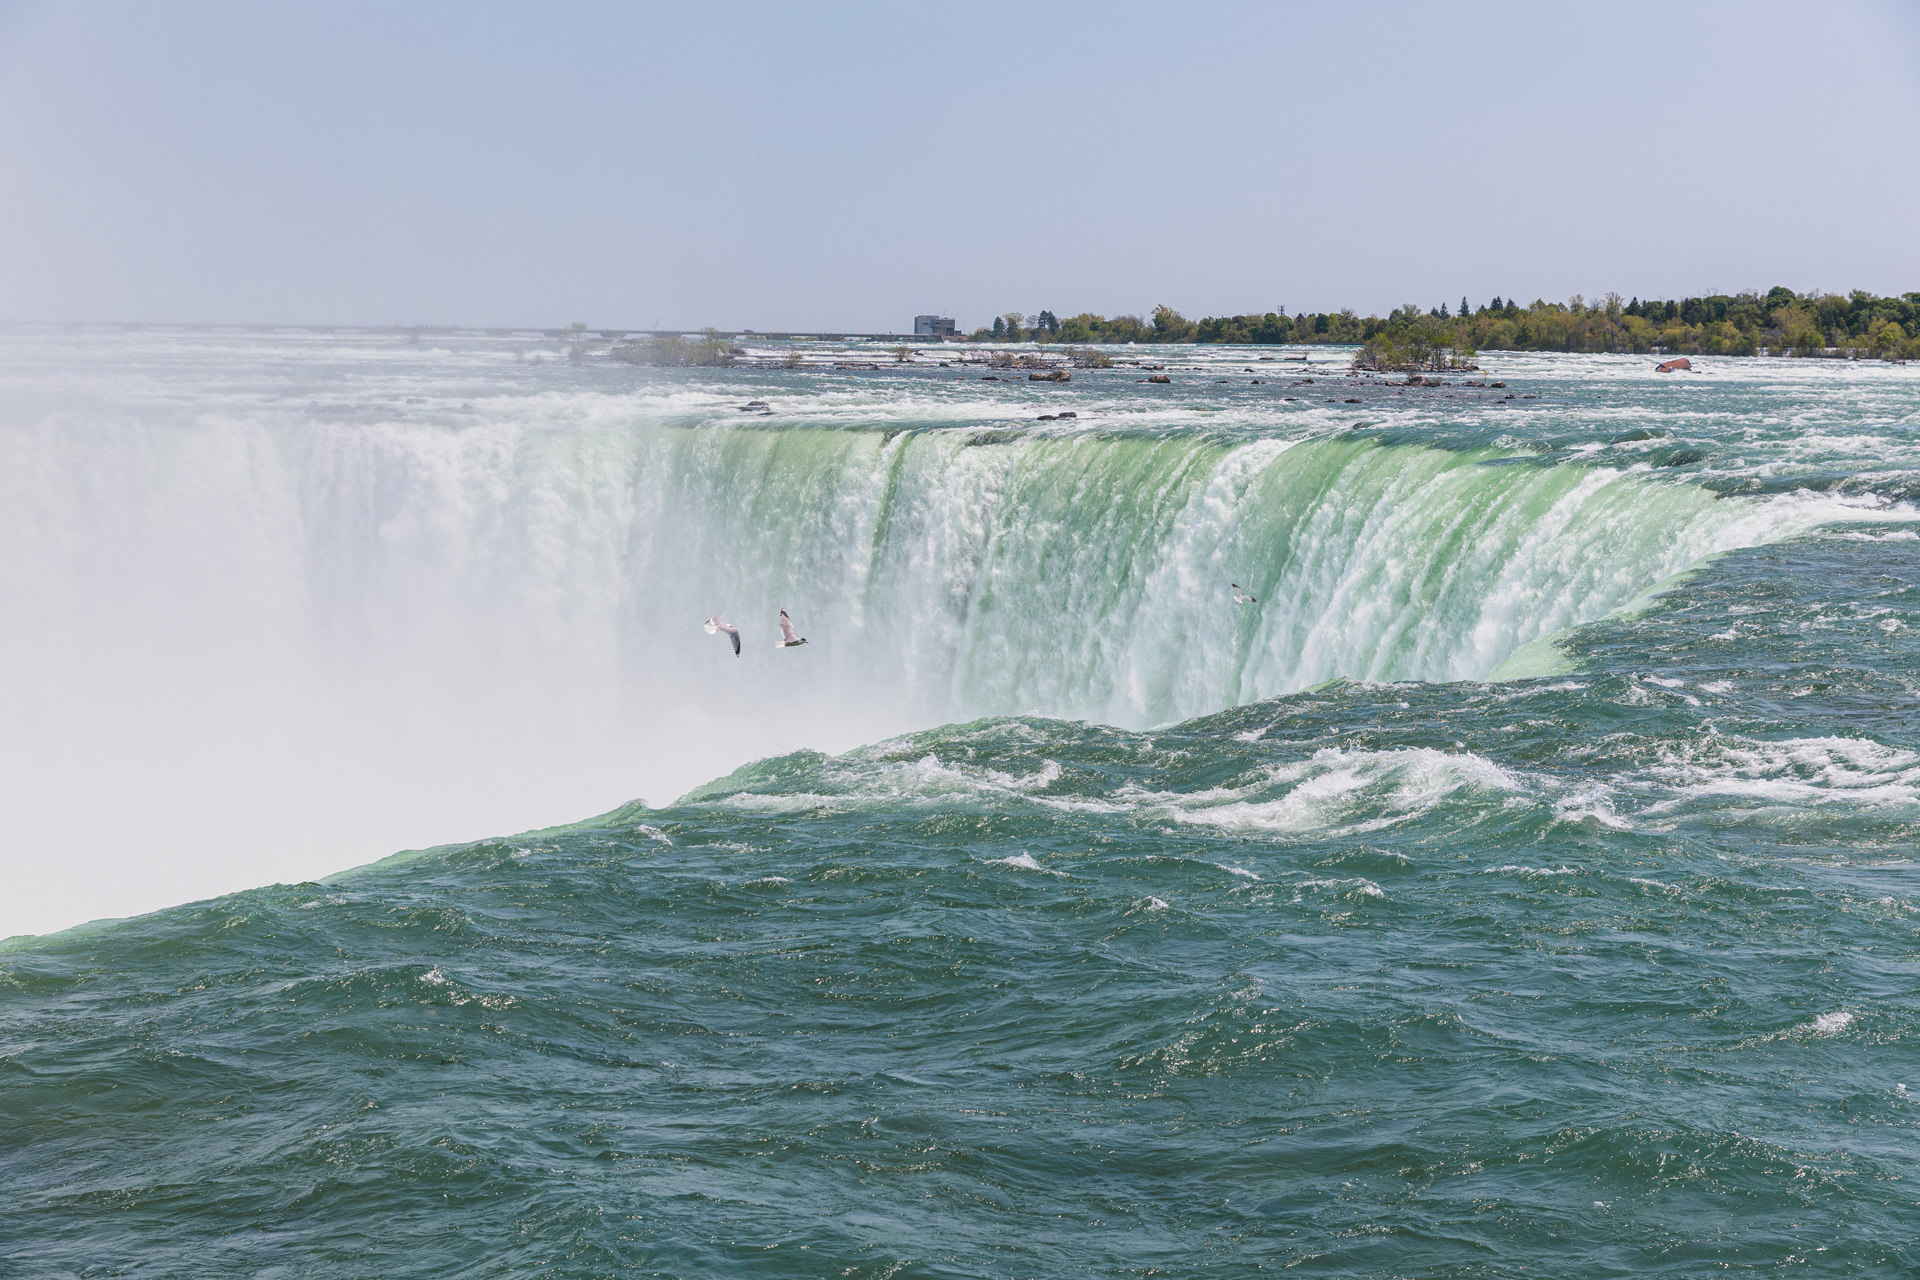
1267,820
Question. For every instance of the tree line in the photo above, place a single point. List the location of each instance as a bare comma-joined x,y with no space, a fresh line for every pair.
1779,321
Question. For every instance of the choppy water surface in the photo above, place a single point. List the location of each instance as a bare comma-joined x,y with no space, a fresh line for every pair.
1525,886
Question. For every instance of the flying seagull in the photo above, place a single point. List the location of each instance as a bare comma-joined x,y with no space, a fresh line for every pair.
787,639
717,625
1242,596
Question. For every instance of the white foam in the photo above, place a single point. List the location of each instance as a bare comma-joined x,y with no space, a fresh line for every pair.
1025,862
1828,1024
1529,691
1045,776
1156,904
1592,803
1792,771
1358,884
1337,789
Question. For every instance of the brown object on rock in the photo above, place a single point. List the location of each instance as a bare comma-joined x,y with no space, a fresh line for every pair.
1056,375
1678,365
1159,377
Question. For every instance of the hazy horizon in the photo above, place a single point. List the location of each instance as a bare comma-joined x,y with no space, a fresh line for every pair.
772,169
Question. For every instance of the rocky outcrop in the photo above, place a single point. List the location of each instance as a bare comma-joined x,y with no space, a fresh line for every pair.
1679,364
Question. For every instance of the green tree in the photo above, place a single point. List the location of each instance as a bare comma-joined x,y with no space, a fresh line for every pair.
1170,326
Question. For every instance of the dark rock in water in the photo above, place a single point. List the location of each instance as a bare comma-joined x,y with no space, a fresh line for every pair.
1069,414
1352,400
1159,377
1256,382
1055,375
989,377
1501,385
1679,364
1046,417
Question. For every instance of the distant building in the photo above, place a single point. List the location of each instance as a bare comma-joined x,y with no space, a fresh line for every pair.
934,327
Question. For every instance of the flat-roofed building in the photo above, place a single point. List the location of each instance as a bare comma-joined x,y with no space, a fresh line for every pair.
934,327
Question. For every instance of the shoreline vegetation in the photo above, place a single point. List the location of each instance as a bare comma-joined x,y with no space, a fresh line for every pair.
1779,322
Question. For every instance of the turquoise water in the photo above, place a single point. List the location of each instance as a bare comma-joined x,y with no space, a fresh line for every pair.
1525,886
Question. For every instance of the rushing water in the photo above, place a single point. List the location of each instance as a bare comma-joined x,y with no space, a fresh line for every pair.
1524,885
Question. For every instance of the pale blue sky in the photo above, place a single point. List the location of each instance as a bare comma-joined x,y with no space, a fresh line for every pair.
848,166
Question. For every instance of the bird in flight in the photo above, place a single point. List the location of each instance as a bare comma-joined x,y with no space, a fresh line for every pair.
717,625
787,638
1241,595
